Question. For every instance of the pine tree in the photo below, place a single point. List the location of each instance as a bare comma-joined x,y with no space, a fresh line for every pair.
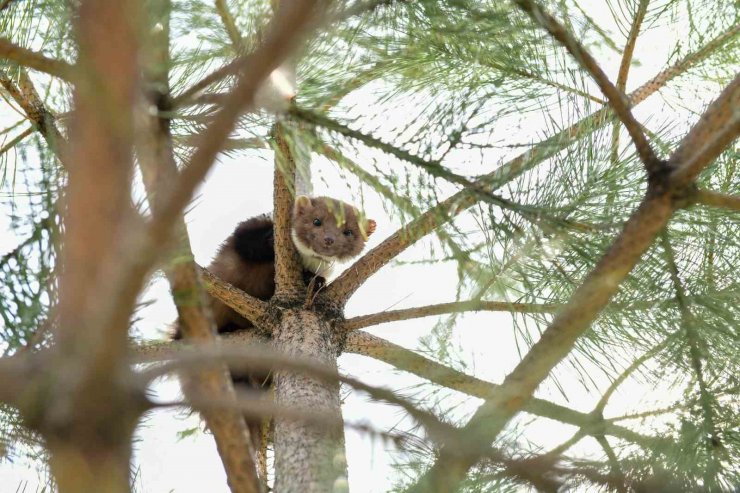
508,138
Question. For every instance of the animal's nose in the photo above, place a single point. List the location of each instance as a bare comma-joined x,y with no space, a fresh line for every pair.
328,240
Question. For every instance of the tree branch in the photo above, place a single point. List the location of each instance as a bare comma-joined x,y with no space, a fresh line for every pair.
16,140
442,308
717,199
617,99
662,199
228,20
89,412
626,373
288,277
624,67
717,127
195,322
373,319
352,278
264,358
28,99
259,409
242,303
37,61
629,47
288,29
365,344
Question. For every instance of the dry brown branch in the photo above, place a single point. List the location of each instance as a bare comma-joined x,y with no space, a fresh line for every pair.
288,277
624,68
288,29
245,305
37,61
717,199
718,126
25,94
351,279
617,99
663,197
195,322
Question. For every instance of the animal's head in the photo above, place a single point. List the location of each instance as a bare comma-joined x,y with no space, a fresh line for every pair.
329,227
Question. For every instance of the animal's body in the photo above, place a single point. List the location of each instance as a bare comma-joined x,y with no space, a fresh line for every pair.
325,232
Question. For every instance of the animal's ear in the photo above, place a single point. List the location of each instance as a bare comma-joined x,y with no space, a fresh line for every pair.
369,227
302,202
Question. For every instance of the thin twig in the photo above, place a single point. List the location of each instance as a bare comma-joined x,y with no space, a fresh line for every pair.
629,47
616,470
24,93
259,357
695,355
442,308
16,140
230,25
624,67
258,409
617,99
717,199
626,373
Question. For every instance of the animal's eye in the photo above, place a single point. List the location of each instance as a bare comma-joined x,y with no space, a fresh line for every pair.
347,232
317,222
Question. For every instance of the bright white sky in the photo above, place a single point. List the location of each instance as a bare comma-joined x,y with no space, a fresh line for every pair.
238,188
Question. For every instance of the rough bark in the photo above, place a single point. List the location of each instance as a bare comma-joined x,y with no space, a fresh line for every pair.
308,459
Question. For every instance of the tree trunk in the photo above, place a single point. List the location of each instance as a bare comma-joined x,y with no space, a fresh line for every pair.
308,459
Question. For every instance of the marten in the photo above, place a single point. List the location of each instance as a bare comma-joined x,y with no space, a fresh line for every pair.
325,232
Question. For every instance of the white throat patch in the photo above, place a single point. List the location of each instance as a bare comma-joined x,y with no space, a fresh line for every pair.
315,262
